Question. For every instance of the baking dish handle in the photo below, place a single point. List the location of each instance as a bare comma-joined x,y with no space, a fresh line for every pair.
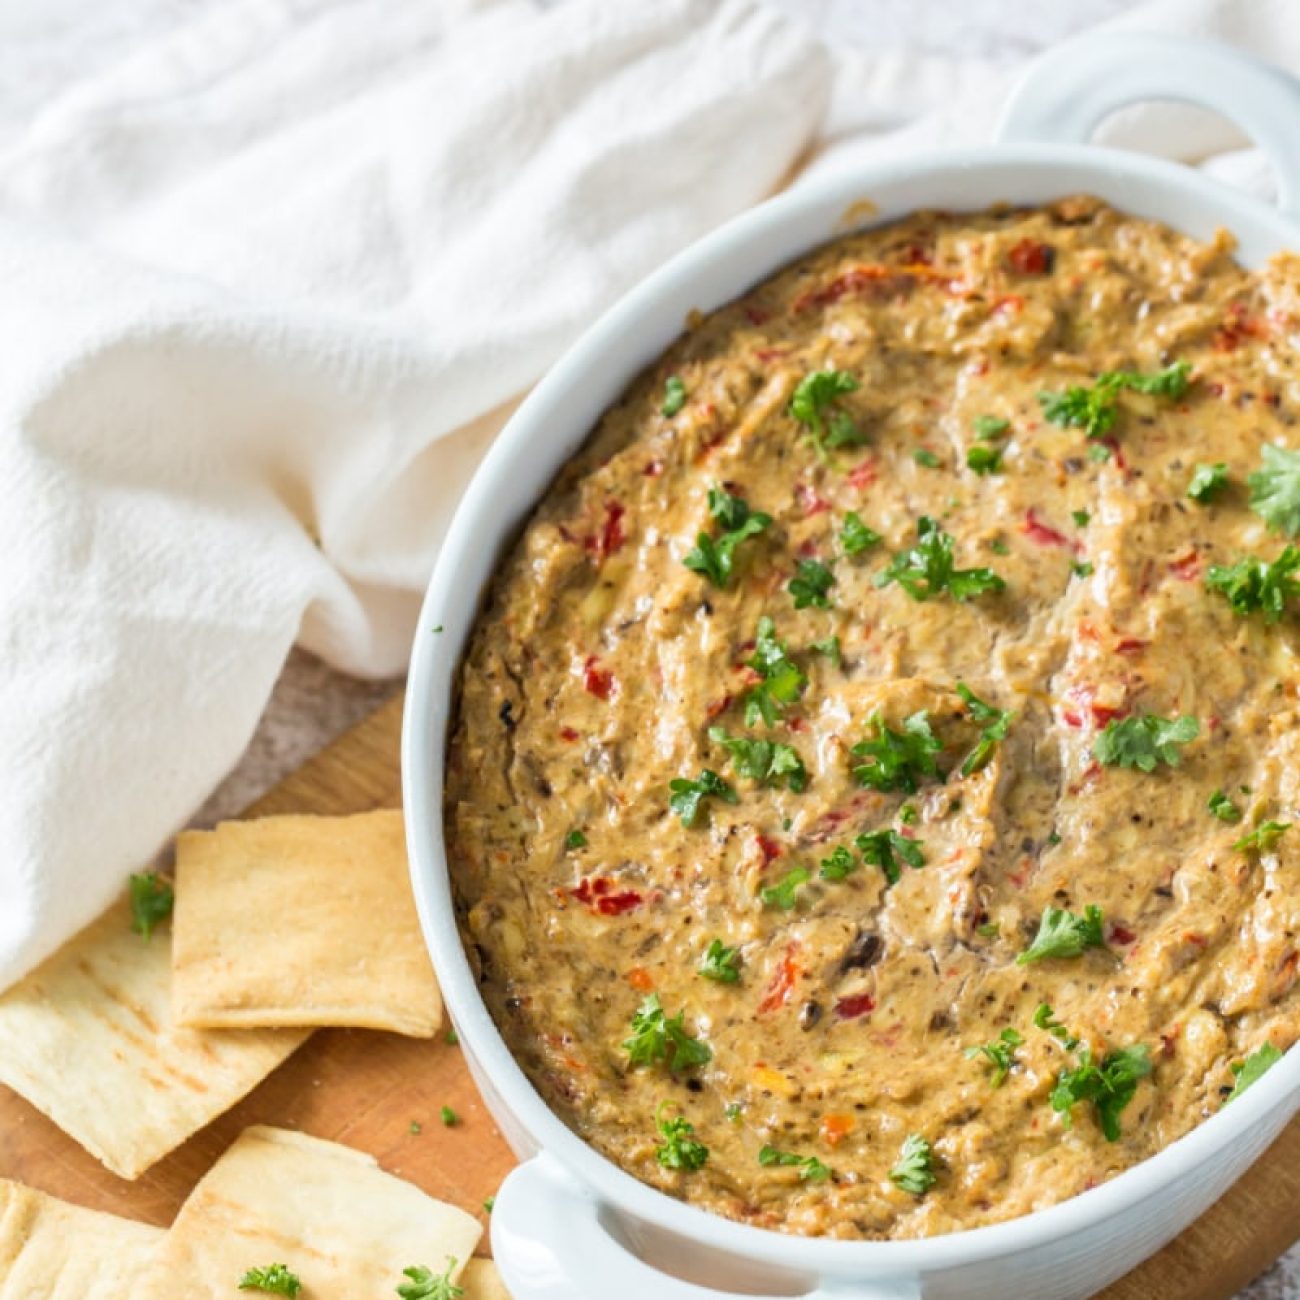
551,1241
1066,92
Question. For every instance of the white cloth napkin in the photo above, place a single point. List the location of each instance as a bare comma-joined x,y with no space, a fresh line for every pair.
269,286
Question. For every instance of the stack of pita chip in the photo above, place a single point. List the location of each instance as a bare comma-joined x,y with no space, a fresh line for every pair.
131,1045
321,1218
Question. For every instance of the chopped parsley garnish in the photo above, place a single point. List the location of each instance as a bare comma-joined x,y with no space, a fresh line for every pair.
840,864
1252,1069
983,460
575,839
1110,1086
1000,1053
811,581
914,1171
1207,482
1256,587
897,760
489,1205
679,1149
1045,1018
1275,490
687,797
765,761
782,683
1062,934
1144,740
1080,517
928,569
1223,807
990,426
855,536
989,930
1263,838
926,458
1094,409
883,849
994,724
659,1038
733,1112
999,547
674,396
811,1170
275,1279
152,900
424,1285
784,894
814,406
715,557
1081,568
721,964
453,1038
908,815
449,1117
830,647
1098,452
415,1128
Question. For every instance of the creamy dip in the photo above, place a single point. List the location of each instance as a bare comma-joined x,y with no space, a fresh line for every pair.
917,942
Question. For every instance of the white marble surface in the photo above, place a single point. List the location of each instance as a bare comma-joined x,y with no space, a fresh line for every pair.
47,44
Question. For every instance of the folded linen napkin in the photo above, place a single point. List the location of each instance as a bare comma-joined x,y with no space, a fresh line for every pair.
269,286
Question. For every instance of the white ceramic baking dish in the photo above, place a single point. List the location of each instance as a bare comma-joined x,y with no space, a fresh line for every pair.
568,1224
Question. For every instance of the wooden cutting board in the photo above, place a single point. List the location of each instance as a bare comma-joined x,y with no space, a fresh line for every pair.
373,1091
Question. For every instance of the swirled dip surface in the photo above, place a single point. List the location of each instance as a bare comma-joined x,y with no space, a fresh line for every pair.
602,662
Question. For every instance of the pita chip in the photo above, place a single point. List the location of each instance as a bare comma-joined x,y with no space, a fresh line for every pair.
481,1281
88,1039
50,1250
301,921
326,1212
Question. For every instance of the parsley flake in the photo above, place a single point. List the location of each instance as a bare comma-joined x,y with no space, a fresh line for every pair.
990,426
575,839
897,760
152,900
449,1117
984,460
884,848
914,1171
1045,1018
1000,1053
659,1038
1062,934
784,894
275,1279
1144,740
1223,807
926,458
687,797
1208,481
674,396
811,1170
1263,838
679,1149
1080,517
782,681
1094,409
721,964
855,536
994,724
424,1285
840,864
1275,489
815,400
1252,1069
765,761
811,582
715,558
929,568
1254,586
1110,1086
